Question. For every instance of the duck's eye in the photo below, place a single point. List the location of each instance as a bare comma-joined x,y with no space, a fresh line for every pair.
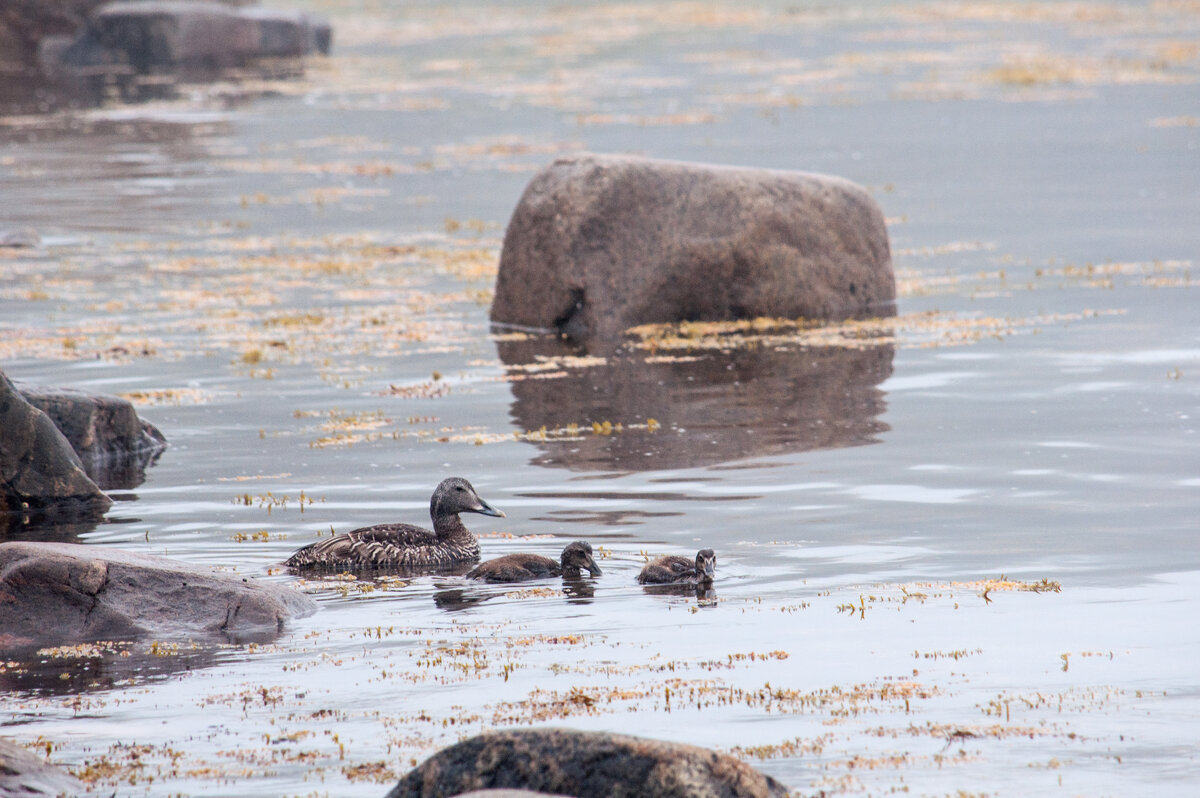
459,487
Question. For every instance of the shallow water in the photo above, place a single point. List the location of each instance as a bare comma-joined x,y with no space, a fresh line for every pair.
292,280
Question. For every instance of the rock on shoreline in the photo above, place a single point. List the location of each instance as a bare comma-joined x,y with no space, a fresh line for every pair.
62,593
112,442
39,470
61,448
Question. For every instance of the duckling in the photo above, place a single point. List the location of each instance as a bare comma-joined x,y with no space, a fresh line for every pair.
405,546
520,567
673,569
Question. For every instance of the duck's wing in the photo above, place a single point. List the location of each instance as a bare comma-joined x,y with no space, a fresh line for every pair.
667,569
380,544
681,566
515,568
393,535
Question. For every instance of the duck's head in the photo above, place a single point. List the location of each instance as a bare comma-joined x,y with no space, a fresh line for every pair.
455,495
706,565
577,556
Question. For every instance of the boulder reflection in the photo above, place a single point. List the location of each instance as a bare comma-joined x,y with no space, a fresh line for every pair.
707,406
61,524
96,667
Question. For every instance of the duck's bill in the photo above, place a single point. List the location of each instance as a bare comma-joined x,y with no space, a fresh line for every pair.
710,568
486,509
592,568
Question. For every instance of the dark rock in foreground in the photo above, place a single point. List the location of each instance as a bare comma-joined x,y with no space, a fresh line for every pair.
39,470
59,593
112,442
585,765
508,794
23,774
601,243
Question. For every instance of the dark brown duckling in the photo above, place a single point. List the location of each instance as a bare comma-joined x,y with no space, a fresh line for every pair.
405,546
575,558
673,570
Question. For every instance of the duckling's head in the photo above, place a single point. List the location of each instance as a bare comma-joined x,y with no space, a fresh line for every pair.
706,565
455,495
577,556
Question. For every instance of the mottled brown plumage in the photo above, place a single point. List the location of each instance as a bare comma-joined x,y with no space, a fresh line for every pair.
405,546
576,557
674,569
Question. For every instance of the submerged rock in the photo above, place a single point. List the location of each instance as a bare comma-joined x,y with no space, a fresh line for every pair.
601,243
23,238
61,593
23,774
113,443
39,470
585,765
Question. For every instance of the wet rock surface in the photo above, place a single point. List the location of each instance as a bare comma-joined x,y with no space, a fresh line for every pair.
57,593
39,470
508,794
600,243
584,764
113,443
23,774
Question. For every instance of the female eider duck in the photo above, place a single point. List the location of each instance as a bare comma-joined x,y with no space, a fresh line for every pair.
521,567
676,570
405,546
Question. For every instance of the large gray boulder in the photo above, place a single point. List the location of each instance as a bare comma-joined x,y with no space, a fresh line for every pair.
601,243
113,443
23,774
39,470
60,593
585,765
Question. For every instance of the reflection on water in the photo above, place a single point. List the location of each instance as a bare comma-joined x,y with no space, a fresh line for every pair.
455,598
35,92
705,595
120,472
118,169
107,665
708,408
579,590
595,518
53,525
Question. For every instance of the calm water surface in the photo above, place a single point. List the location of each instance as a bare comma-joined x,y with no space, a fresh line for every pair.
292,281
